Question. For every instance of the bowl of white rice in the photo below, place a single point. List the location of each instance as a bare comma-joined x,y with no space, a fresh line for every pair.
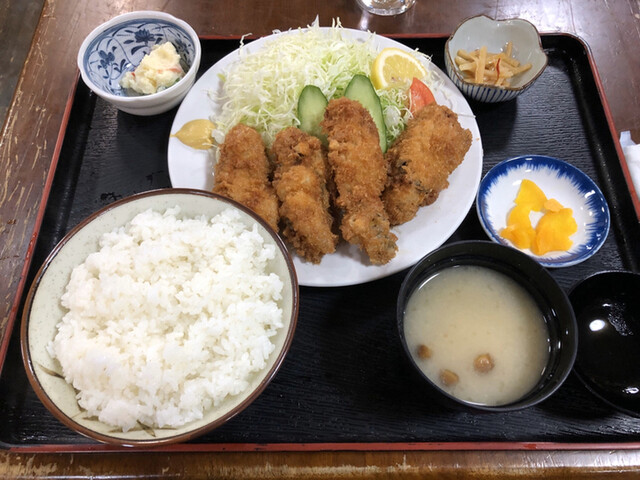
159,318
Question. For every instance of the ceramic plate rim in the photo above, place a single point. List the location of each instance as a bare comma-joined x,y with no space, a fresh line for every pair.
347,266
566,169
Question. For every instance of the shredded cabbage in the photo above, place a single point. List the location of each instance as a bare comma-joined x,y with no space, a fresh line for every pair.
261,88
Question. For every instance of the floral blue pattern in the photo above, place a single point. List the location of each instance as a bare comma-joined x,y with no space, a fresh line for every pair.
121,48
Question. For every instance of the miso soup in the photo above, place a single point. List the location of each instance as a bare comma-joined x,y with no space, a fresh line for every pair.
477,334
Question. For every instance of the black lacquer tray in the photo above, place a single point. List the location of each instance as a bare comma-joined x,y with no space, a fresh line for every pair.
345,383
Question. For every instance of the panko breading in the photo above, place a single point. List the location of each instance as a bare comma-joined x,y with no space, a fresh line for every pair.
242,173
359,172
300,180
421,160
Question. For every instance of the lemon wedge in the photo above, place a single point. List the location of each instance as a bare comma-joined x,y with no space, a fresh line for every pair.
393,67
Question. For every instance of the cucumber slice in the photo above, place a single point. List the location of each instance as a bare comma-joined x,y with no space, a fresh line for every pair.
311,106
361,89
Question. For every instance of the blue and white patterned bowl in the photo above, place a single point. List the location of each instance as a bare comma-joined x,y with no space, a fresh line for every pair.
557,179
118,46
481,30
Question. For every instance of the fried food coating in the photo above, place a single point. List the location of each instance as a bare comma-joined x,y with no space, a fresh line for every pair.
242,173
359,172
421,160
300,181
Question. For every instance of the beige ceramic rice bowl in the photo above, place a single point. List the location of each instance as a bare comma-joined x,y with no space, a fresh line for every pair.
44,311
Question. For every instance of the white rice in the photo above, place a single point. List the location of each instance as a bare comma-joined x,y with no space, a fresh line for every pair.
168,318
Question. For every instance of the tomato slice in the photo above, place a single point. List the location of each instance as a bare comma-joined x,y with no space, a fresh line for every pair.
419,96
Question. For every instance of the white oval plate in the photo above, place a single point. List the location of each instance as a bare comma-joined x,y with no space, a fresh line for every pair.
190,168
557,179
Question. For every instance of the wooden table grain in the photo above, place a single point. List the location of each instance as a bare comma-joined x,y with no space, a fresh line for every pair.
28,143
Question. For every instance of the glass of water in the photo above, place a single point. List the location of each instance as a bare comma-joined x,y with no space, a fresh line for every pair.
386,7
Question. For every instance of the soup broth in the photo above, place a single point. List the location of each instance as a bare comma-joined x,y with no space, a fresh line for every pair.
477,334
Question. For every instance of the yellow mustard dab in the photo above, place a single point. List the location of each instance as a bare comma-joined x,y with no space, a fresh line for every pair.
553,229
196,134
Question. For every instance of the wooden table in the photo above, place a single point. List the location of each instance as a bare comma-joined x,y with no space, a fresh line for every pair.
28,142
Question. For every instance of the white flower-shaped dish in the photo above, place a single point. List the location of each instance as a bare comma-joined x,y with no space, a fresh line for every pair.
481,30
557,179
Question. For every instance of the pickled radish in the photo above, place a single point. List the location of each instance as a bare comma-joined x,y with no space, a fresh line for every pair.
552,205
531,195
519,229
551,233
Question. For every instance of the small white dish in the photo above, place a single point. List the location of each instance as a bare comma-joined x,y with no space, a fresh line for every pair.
557,179
481,30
